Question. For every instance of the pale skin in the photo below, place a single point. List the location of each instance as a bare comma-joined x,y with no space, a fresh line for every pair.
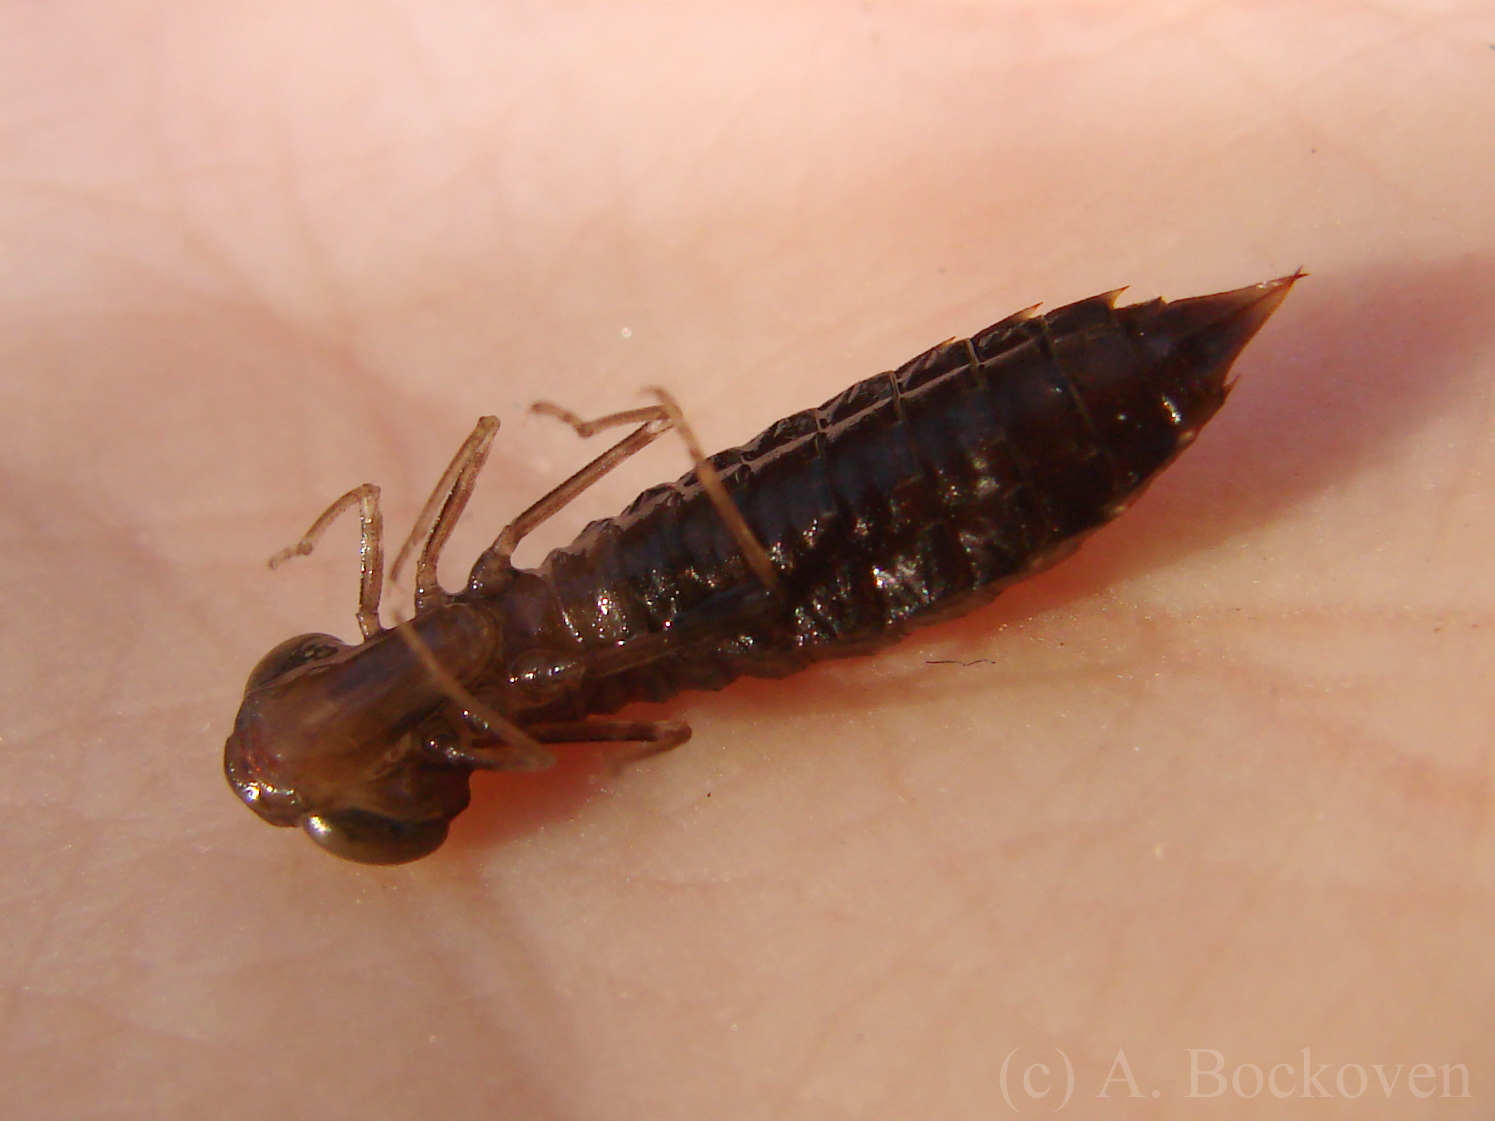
1220,782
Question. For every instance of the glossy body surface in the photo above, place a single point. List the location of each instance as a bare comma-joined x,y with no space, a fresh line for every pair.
912,497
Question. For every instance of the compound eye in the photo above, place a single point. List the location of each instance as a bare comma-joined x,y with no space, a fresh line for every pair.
291,654
370,838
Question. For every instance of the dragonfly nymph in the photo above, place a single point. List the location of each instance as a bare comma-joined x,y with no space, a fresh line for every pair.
913,497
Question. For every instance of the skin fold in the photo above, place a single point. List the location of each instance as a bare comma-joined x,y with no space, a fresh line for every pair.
1220,783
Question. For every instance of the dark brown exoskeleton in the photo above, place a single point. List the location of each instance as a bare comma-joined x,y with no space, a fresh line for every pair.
912,497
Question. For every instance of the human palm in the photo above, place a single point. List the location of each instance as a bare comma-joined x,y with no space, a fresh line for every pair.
1218,783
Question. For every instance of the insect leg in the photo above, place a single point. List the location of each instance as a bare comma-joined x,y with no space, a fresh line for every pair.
652,738
477,713
370,550
649,738
653,421
498,755
439,516
752,549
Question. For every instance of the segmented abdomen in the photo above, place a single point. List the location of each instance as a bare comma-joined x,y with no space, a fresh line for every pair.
913,496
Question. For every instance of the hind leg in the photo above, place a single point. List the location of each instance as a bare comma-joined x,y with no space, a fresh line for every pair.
653,421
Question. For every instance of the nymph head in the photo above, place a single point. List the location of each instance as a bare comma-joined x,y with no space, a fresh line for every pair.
350,743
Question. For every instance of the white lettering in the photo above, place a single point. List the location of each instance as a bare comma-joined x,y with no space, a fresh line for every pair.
1124,1076
1364,1080
1311,1081
1028,1081
1421,1070
1272,1081
1381,1074
1463,1070
1195,1070
1235,1080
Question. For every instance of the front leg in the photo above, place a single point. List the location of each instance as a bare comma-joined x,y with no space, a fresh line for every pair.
370,550
491,754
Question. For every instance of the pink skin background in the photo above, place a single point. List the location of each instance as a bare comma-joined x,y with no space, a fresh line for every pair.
1222,781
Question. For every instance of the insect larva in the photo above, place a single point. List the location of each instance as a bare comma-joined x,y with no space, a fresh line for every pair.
912,497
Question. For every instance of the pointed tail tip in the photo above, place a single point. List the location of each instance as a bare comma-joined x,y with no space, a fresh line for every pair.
1242,312
1220,325
1267,295
1255,301
1195,342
